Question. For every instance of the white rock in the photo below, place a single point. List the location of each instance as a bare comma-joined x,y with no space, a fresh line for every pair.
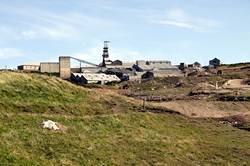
48,124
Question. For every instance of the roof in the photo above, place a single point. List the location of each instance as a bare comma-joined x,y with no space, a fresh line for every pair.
97,77
91,69
215,59
196,63
49,63
146,67
159,61
30,65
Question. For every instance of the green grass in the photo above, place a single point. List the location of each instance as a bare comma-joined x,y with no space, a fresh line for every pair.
42,94
96,135
125,139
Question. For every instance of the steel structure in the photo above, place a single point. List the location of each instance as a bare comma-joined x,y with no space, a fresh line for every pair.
83,61
105,54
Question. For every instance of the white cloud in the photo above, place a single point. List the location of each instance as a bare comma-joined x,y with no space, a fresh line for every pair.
56,32
176,24
33,23
178,18
9,53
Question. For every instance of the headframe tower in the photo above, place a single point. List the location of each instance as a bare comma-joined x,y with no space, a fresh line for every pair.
105,54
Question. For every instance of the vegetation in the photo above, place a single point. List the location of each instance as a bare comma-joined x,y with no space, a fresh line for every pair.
104,129
237,64
33,93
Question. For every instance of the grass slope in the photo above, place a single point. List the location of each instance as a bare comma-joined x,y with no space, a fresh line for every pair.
35,93
104,129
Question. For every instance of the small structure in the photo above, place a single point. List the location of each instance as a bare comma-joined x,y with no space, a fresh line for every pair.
214,63
117,63
197,64
182,66
94,78
148,76
29,68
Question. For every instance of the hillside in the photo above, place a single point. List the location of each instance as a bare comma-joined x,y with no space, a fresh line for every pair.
31,93
104,129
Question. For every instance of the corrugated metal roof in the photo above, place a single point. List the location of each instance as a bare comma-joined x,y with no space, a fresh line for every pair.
146,67
97,77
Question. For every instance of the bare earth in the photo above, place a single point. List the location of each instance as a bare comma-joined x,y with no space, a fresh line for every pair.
213,109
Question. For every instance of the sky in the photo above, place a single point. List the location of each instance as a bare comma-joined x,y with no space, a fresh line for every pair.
33,31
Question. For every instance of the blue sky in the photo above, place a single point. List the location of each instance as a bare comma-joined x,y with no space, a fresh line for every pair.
33,31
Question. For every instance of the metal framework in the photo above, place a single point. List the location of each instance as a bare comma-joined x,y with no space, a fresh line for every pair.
83,61
105,54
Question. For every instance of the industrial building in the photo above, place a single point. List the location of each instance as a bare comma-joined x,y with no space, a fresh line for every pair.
29,68
154,63
100,78
107,71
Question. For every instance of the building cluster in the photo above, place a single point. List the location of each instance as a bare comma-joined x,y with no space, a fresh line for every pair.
111,71
114,71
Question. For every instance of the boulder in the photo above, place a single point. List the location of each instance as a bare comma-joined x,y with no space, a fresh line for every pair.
49,124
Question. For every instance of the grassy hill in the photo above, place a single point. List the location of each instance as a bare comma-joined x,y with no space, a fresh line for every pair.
104,129
32,93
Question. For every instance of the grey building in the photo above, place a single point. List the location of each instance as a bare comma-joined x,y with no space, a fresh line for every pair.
49,67
154,63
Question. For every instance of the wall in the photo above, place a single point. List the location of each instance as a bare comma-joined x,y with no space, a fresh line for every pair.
64,67
49,67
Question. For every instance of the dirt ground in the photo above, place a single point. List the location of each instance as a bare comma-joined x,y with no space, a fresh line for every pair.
213,109
236,84
228,112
